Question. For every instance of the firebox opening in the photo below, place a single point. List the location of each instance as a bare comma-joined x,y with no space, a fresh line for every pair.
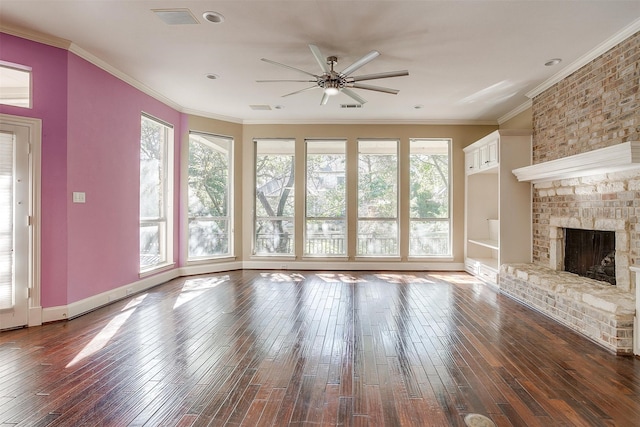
591,253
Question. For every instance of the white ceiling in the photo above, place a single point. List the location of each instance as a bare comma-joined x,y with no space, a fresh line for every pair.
469,61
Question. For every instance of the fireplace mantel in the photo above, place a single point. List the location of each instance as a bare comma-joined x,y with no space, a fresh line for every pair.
615,158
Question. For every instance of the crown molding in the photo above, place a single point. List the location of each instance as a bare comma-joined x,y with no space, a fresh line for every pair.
211,115
511,114
373,122
77,50
35,36
603,47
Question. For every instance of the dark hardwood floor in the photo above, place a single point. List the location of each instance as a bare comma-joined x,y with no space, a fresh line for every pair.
256,348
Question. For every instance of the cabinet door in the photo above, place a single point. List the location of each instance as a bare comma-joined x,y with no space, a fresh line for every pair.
489,154
472,161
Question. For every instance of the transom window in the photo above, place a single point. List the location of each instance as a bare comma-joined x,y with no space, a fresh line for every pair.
15,85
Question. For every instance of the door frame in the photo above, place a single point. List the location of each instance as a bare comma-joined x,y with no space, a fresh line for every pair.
34,308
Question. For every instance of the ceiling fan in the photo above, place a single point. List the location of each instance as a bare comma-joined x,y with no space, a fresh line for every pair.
333,82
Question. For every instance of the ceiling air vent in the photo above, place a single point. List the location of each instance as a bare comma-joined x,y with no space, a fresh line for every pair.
350,105
176,16
260,107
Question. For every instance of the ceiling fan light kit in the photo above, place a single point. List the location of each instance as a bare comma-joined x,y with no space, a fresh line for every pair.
333,82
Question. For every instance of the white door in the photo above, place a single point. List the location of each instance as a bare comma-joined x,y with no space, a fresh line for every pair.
14,225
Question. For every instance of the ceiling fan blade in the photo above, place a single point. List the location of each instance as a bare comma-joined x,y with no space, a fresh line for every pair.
361,62
380,75
375,88
353,95
320,59
289,67
275,81
301,90
324,99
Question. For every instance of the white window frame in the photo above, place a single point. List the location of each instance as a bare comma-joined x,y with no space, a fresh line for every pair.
165,220
291,219
314,218
229,217
396,219
447,219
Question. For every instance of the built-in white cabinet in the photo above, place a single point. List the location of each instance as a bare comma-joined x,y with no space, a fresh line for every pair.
498,225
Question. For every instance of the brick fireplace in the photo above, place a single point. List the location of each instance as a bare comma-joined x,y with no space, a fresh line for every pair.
585,174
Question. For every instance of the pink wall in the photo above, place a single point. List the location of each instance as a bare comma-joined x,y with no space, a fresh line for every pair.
49,80
90,143
103,150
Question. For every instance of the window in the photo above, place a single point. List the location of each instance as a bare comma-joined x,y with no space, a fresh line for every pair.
210,160
430,218
377,197
156,193
7,174
326,225
15,85
274,203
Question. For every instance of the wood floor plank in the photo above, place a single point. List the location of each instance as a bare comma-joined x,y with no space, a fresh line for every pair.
270,348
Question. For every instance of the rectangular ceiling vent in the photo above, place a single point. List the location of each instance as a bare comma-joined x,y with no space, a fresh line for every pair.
176,16
350,105
260,107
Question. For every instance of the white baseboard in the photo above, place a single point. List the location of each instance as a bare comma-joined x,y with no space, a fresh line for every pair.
353,265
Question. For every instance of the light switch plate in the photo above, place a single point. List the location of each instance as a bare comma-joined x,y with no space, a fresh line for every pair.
78,197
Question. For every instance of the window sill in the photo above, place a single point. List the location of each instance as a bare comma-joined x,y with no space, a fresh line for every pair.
377,258
430,258
211,260
274,256
157,269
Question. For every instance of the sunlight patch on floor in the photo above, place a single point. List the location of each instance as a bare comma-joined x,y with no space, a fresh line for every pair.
340,277
402,278
193,288
457,278
104,336
283,277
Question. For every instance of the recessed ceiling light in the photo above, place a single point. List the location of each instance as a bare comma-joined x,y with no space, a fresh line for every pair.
212,76
214,17
418,107
279,107
552,62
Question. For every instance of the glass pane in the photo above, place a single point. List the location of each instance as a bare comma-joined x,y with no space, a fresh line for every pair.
208,237
429,238
377,238
209,159
208,191
151,252
274,236
326,237
377,179
429,191
152,152
6,220
326,189
15,86
274,197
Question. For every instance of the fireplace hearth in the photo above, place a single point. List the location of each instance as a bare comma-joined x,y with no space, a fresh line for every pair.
591,253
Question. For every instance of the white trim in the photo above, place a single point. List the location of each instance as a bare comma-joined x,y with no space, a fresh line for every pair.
603,47
35,140
356,266
370,121
35,36
636,319
192,270
610,159
511,114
